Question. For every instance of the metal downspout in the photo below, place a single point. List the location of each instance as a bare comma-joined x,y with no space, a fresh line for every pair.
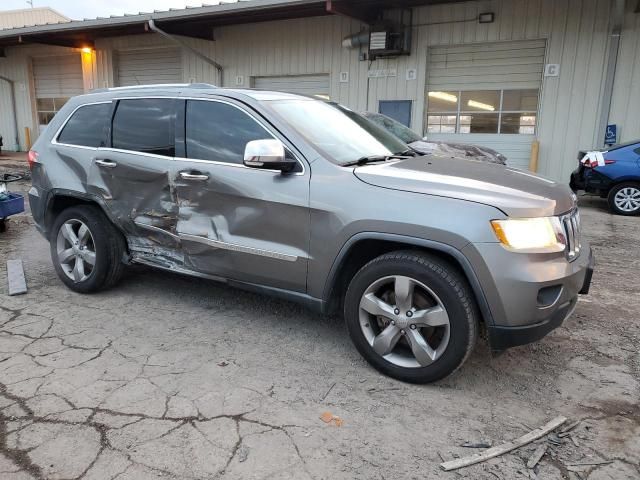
14,112
617,20
184,45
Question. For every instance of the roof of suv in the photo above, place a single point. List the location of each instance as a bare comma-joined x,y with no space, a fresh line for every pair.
200,88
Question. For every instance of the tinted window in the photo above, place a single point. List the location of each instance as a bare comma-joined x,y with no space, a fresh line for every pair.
87,126
145,125
218,131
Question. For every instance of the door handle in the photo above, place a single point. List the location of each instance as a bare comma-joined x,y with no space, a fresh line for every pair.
106,163
198,177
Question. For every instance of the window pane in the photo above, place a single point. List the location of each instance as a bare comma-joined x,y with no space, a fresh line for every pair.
518,123
145,125
58,103
45,117
218,131
87,126
480,101
443,101
441,124
479,123
45,104
520,100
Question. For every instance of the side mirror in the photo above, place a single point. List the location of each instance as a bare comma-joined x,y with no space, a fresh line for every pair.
268,155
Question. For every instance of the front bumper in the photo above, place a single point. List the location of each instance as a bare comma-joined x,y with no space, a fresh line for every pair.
533,294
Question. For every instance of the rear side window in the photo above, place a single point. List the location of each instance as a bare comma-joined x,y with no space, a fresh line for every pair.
219,131
87,127
145,125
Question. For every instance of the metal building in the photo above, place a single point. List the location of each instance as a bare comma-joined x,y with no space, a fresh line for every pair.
500,73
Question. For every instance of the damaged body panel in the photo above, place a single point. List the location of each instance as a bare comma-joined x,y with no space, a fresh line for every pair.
243,224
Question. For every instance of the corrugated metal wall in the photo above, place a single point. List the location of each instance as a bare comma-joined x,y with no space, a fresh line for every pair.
625,105
17,65
576,34
30,16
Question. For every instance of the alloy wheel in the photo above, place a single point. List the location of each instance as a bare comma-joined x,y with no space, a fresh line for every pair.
76,250
627,199
404,321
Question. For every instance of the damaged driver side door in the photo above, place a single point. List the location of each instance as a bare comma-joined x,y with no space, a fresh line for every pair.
131,175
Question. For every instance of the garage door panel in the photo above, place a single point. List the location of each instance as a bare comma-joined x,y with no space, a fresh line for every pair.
58,76
300,84
486,72
507,56
149,66
495,67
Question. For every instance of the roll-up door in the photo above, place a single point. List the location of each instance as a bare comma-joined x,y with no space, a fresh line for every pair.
486,94
318,85
56,79
149,67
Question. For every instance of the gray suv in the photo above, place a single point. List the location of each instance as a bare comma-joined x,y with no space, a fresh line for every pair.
289,196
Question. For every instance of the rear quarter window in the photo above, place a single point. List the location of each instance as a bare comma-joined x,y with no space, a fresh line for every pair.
87,126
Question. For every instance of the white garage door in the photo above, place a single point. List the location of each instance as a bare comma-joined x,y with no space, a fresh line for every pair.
486,94
149,67
56,79
301,84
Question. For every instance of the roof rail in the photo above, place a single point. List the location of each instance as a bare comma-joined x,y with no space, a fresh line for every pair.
159,85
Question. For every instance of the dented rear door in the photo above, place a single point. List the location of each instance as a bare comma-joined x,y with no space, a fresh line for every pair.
132,176
237,222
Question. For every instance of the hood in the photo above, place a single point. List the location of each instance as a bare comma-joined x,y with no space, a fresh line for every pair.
516,192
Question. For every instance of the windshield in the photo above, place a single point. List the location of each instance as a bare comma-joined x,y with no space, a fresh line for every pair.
338,132
396,128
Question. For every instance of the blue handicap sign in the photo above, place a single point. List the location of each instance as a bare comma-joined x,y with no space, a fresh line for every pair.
611,135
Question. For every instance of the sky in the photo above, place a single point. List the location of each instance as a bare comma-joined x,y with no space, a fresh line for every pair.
78,10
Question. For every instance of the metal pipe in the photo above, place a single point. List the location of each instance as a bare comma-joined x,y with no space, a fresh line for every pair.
617,19
12,89
177,41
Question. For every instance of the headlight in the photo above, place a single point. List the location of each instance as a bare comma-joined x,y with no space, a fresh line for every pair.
531,235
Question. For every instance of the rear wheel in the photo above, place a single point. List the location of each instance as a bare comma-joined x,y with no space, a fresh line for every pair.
412,316
86,249
624,199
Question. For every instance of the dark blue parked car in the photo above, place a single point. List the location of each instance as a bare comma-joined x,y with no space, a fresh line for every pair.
618,180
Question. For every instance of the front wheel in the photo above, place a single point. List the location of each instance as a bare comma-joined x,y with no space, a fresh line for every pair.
624,199
412,316
86,249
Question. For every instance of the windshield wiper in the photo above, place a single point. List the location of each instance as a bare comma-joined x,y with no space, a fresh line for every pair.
376,158
410,152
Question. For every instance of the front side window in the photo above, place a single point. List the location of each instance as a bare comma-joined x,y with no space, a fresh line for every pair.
87,127
145,125
220,132
483,111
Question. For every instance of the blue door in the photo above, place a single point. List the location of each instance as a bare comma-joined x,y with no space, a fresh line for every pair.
399,110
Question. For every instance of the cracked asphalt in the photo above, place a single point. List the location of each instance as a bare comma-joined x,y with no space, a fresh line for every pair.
171,377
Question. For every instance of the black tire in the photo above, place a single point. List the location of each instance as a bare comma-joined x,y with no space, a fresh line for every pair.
612,195
109,246
447,283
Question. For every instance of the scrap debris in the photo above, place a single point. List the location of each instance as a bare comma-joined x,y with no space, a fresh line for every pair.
476,445
537,456
15,275
329,418
504,448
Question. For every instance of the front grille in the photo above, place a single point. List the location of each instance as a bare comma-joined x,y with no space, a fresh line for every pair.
571,227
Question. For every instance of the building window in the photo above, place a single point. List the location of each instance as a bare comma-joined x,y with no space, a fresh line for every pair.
48,107
483,111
